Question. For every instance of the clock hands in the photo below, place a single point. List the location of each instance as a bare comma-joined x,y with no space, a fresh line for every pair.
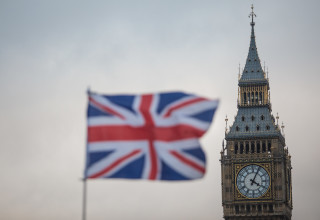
253,180
256,173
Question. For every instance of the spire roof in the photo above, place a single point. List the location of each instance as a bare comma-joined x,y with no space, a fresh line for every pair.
254,122
253,72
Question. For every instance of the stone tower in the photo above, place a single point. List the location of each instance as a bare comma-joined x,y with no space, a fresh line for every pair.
255,163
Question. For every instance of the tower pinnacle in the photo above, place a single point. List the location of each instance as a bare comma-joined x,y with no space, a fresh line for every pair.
252,15
253,72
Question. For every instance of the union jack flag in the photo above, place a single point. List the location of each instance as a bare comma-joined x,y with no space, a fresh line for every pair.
152,136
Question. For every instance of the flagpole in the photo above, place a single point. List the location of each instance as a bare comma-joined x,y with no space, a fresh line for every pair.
84,199
84,193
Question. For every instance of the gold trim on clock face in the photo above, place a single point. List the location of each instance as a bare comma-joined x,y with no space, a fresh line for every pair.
253,181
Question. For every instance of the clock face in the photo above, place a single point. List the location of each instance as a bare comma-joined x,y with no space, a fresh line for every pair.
253,181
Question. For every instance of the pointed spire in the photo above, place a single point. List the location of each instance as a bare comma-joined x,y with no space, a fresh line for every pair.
252,15
226,124
223,148
253,70
282,128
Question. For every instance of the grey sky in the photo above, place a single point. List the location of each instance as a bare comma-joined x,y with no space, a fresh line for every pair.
51,51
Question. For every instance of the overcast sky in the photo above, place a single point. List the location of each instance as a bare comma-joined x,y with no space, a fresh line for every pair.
52,51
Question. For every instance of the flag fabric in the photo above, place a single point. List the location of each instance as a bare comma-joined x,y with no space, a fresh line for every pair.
152,136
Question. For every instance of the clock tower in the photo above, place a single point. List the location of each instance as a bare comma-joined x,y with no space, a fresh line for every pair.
255,163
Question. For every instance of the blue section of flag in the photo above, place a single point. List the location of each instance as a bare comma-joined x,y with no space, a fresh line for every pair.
167,173
134,168
92,111
196,152
204,116
94,157
168,98
125,101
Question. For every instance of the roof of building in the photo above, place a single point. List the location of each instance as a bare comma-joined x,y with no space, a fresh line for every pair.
253,122
253,72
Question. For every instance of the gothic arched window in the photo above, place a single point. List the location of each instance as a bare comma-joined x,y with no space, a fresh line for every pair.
260,97
252,147
247,147
252,97
263,147
269,146
270,208
248,208
241,148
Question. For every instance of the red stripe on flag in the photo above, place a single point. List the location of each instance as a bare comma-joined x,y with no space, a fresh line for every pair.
145,108
116,133
116,163
181,105
146,101
187,161
105,108
127,133
178,132
154,162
